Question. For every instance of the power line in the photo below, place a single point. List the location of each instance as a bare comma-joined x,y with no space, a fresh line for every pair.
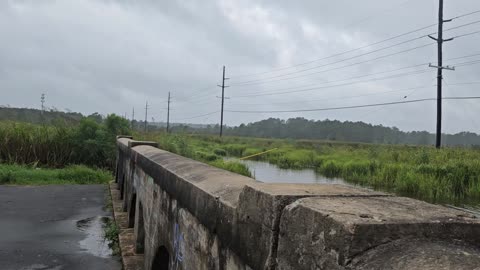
342,97
355,106
338,54
355,77
197,116
345,79
354,64
333,63
336,85
366,46
467,14
351,83
413,89
344,66
366,75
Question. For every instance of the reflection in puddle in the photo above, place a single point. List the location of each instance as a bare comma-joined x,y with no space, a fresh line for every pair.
94,242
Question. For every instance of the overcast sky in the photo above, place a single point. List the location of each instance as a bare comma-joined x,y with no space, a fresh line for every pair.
109,56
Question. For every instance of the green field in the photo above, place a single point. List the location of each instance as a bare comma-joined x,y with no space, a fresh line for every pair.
449,175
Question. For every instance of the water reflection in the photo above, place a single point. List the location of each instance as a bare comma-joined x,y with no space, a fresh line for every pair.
268,173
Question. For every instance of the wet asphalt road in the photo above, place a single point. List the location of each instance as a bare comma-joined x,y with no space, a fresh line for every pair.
53,228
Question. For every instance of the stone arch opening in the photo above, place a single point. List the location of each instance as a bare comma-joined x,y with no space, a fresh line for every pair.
161,260
122,186
131,210
139,230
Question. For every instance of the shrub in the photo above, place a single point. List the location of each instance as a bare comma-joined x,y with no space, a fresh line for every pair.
205,156
220,152
233,166
6,177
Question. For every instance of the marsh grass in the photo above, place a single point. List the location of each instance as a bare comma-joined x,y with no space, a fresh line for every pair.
28,175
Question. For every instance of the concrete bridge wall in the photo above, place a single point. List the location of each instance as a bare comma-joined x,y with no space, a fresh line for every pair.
184,214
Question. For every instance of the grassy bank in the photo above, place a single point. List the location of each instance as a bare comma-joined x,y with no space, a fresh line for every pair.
27,175
450,175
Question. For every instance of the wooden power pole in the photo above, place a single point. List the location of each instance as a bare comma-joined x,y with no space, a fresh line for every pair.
146,113
133,117
168,113
223,100
440,68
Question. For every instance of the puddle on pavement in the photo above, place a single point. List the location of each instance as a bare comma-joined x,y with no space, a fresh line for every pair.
41,267
94,242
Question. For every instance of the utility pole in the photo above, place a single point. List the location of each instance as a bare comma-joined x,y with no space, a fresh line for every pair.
133,116
440,68
168,113
146,113
42,100
223,100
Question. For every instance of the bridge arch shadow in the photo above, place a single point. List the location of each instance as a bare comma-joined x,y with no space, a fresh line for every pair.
131,210
161,260
140,230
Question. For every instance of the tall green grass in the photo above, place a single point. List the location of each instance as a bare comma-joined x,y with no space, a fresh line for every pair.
28,175
90,143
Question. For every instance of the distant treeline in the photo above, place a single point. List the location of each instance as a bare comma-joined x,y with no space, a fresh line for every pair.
293,128
333,130
36,116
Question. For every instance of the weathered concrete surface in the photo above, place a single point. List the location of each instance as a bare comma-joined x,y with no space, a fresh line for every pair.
419,254
259,213
50,227
327,232
188,215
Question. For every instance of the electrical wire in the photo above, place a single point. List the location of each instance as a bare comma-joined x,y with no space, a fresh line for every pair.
357,106
366,46
198,116
337,54
333,63
345,66
336,85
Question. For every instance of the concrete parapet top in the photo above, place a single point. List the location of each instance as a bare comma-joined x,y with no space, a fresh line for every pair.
137,143
307,190
337,229
125,137
418,254
385,210
222,185
122,143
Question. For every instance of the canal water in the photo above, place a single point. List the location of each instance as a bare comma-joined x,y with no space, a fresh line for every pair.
269,173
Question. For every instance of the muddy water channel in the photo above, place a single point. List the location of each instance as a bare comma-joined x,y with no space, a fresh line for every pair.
269,173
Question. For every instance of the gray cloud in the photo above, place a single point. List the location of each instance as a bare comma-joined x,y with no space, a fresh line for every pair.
112,55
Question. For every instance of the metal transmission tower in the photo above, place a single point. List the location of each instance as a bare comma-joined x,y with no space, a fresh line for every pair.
42,100
440,68
146,114
168,113
223,100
